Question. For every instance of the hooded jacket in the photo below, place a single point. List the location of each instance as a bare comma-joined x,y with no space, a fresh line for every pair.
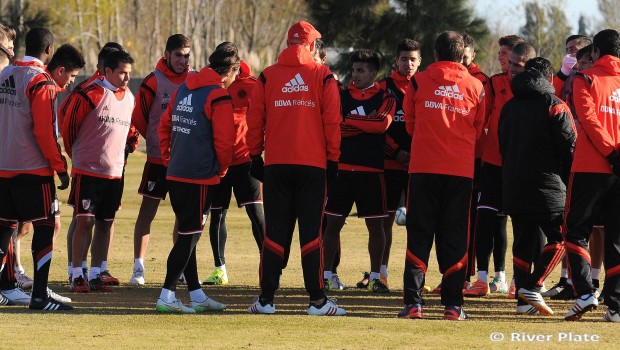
240,91
444,113
597,104
477,73
536,139
396,137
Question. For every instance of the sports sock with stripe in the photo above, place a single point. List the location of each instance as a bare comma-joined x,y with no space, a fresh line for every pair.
104,265
384,271
327,275
42,248
138,264
167,295
483,275
374,276
94,272
596,273
197,295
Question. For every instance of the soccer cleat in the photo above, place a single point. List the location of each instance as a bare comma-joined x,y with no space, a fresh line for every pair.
376,286
568,293
426,288
137,278
78,285
498,286
611,316
207,305
411,311
48,304
4,301
59,298
536,300
22,280
479,288
526,310
217,278
512,293
363,283
97,285
437,289
582,305
175,307
384,280
108,279
556,289
336,284
257,307
329,308
327,284
454,313
16,296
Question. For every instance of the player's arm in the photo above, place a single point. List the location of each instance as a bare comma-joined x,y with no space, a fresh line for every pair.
144,100
219,109
330,112
165,131
256,118
42,92
409,105
78,107
480,116
376,122
558,84
563,131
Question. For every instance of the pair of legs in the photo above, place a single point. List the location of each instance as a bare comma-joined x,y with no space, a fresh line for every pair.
396,182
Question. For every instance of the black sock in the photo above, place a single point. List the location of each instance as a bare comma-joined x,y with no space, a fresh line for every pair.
218,235
42,248
178,258
5,238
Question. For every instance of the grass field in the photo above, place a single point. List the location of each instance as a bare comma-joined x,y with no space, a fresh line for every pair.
126,317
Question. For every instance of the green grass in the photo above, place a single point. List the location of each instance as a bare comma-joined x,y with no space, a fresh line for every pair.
126,317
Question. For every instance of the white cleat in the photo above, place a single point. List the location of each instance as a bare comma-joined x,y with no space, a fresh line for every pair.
526,310
16,296
137,278
582,305
176,307
329,308
337,284
22,280
59,298
207,305
611,316
258,308
536,300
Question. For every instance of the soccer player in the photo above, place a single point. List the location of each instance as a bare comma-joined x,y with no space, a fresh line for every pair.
573,44
490,236
367,110
95,129
238,179
536,140
594,186
153,99
7,37
397,140
30,159
196,134
444,113
300,153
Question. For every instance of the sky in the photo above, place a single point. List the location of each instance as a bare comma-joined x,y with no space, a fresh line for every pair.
509,15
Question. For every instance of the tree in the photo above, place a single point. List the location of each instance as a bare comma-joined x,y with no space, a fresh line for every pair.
611,13
546,27
22,17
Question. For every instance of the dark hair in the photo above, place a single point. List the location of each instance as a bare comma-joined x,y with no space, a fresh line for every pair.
584,51
320,48
67,56
108,48
407,45
449,47
526,50
115,58
541,65
367,56
37,40
224,57
510,40
177,41
608,42
114,45
581,39
469,41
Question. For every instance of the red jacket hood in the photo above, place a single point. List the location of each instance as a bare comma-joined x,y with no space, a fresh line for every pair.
174,77
205,77
244,71
445,72
295,55
474,69
362,94
397,77
607,63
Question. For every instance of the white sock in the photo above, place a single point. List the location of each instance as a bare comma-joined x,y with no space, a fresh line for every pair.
501,275
596,273
94,272
167,295
483,276
104,265
84,264
374,276
327,275
223,268
384,271
569,281
564,273
197,296
70,269
19,269
138,264
77,272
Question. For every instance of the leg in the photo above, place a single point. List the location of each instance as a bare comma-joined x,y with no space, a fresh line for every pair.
42,248
99,246
142,230
500,243
611,219
331,239
23,230
83,230
376,243
523,252
70,233
552,252
218,235
257,218
388,223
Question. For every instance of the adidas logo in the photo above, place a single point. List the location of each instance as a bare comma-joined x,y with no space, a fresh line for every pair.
359,111
105,108
8,86
186,104
296,84
450,92
615,96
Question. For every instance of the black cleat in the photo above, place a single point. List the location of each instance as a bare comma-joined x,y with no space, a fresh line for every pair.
48,304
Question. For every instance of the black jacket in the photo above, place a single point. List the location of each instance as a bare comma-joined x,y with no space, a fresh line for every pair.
536,139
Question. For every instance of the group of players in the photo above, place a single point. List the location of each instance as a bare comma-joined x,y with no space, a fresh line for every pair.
447,139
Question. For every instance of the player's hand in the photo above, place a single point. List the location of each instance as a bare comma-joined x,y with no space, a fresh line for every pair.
614,162
64,181
403,157
568,63
257,169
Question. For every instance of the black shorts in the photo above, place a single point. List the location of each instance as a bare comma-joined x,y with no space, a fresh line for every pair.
94,196
490,196
396,182
191,204
365,189
154,184
238,179
27,198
